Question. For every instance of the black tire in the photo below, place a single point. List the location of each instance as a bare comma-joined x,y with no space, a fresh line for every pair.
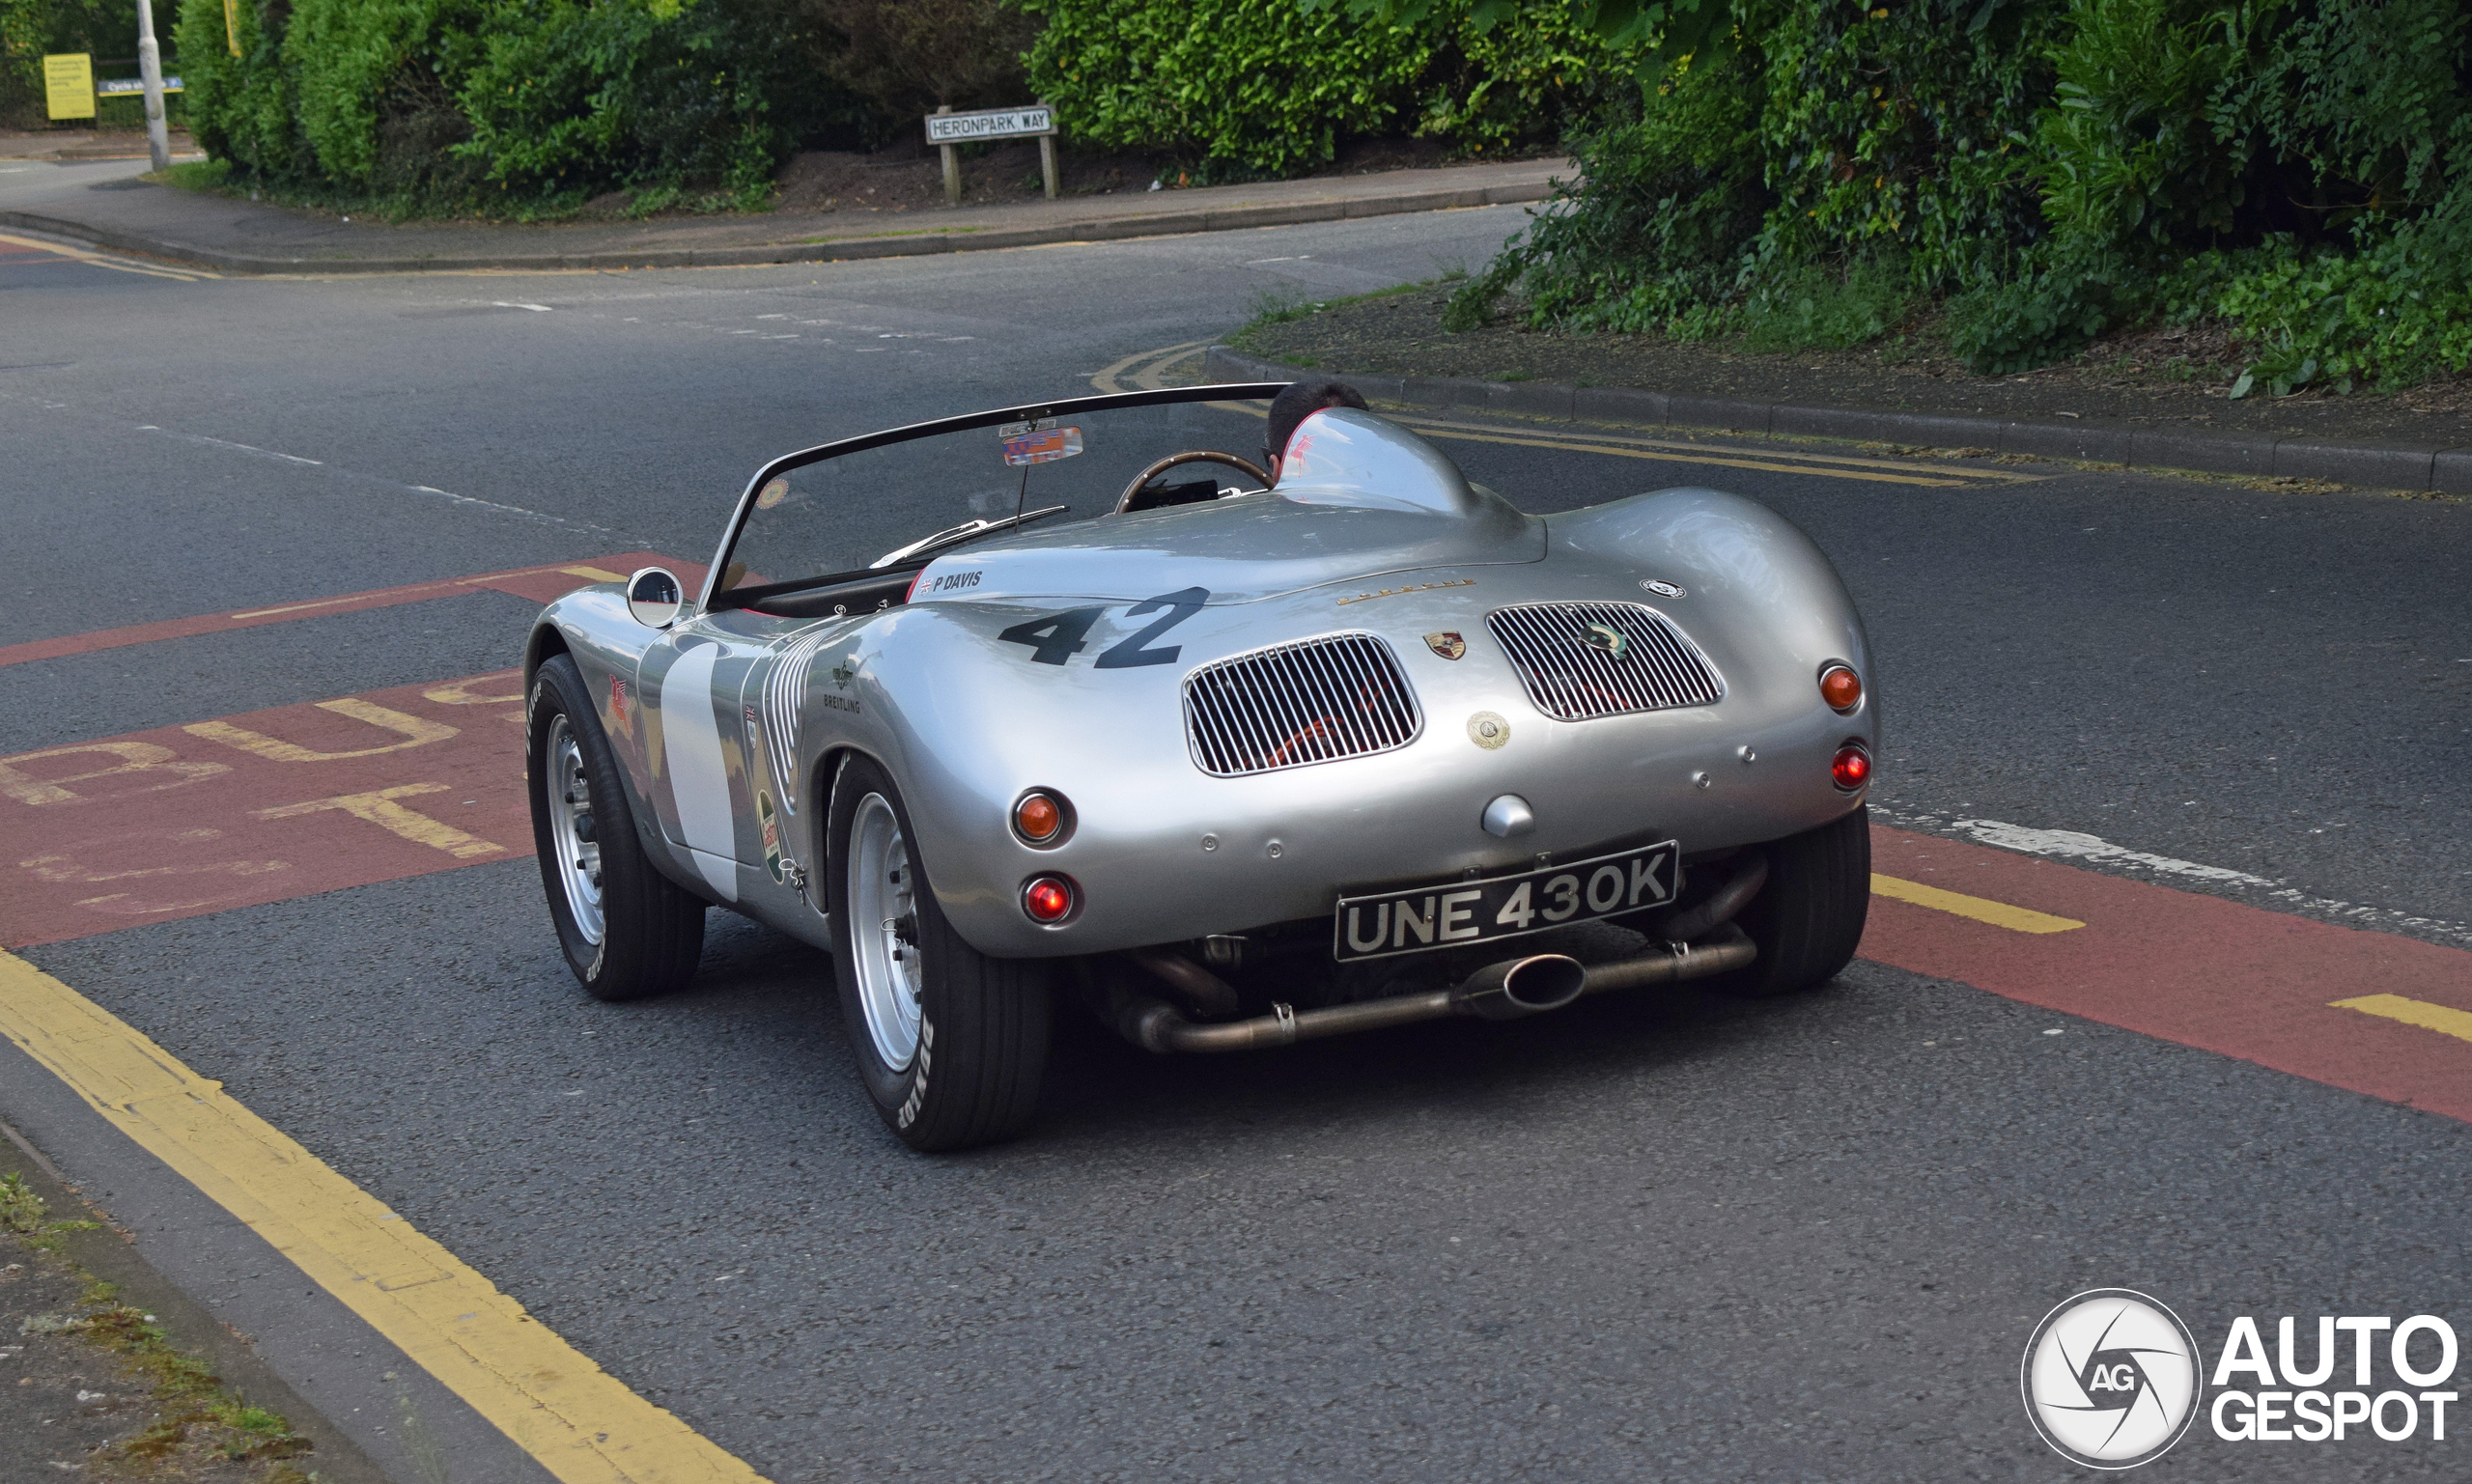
982,1023
1809,918
651,927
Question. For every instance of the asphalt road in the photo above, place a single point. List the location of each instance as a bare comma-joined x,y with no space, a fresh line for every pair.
1645,1238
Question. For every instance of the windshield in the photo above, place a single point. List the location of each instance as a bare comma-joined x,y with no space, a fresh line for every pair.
875,509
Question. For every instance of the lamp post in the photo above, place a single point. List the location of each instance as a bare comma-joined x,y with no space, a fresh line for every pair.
150,70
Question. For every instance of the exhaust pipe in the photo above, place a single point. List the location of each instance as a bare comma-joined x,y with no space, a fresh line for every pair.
1721,905
1507,991
1192,986
1519,986
1728,950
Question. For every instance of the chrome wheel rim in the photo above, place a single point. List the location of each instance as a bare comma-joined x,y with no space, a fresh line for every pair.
572,830
884,931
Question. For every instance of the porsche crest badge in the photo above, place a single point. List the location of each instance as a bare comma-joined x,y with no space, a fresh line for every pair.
1448,645
1607,640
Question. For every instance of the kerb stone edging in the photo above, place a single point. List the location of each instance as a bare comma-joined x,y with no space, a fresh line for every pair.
902,245
2417,466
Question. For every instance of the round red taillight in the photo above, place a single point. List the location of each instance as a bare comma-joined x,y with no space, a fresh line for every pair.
1048,899
1851,767
1840,688
1039,818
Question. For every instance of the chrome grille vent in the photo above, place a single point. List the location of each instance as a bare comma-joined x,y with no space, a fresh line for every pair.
1314,701
1581,659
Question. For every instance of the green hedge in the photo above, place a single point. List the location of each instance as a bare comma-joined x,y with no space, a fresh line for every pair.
2053,169
1267,87
515,105
528,105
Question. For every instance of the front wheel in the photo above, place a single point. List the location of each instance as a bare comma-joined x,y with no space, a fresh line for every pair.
1809,918
628,930
951,1043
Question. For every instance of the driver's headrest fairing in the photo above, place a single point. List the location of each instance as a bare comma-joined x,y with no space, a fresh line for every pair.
1342,455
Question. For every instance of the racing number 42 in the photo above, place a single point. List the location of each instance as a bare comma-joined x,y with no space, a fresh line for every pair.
1058,636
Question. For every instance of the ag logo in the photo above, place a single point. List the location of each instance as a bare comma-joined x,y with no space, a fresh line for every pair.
2111,1379
1448,645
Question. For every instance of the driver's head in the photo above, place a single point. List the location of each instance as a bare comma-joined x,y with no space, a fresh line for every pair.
1298,401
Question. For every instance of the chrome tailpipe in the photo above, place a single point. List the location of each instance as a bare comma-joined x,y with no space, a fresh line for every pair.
1521,987
1507,991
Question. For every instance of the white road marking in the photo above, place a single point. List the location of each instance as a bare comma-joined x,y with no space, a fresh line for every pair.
357,477
238,448
2071,844
538,309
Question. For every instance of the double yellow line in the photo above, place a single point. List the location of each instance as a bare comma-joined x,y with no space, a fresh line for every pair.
106,261
1148,371
582,1423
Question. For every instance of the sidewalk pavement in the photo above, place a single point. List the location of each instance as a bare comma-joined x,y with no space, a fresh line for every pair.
107,206
2424,468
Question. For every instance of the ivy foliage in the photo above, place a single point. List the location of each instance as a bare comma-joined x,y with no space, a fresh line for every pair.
2051,169
1249,88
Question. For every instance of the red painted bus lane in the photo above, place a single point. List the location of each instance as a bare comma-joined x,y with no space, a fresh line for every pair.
187,820
273,804
2197,969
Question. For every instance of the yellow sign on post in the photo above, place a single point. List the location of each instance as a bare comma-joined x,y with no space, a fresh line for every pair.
68,85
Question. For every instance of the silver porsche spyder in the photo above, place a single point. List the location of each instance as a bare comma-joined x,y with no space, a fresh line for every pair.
1063,703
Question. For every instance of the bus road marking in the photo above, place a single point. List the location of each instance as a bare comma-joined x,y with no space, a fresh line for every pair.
2000,915
2441,1018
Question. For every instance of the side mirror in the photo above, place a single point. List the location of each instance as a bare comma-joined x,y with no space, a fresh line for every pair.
653,597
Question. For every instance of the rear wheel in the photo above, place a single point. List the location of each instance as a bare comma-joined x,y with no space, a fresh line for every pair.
1809,917
951,1043
628,930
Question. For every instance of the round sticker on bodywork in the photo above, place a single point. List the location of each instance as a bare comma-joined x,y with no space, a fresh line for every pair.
1488,730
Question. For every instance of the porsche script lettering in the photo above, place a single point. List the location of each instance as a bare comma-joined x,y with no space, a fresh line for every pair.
1420,587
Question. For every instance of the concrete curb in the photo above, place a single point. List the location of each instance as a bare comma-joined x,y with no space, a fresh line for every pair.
821,250
2433,467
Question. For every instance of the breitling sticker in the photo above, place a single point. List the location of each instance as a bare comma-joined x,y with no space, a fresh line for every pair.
1448,645
1488,730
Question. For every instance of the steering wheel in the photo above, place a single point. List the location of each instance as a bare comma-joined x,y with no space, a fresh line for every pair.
1131,499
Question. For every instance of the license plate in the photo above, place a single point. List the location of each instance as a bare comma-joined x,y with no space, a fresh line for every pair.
1453,915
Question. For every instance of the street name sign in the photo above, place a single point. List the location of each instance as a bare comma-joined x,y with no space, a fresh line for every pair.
990,124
